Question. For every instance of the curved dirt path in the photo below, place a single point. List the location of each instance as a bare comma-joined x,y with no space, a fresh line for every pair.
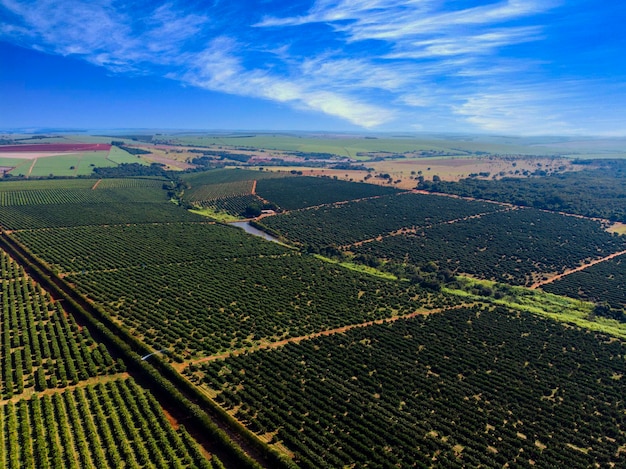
30,392
32,165
95,186
338,330
536,285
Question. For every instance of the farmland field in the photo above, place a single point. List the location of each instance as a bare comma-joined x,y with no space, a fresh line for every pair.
118,156
350,146
368,339
296,193
113,424
166,283
234,205
44,204
515,246
464,388
344,224
65,402
62,158
601,282
223,176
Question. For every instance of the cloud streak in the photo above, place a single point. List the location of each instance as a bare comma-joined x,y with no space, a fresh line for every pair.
373,63
217,68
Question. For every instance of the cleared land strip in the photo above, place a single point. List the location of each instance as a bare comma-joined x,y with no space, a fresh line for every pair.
32,166
95,186
576,269
81,384
338,330
403,231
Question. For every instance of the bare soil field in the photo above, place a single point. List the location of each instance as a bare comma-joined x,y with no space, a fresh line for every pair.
404,172
455,168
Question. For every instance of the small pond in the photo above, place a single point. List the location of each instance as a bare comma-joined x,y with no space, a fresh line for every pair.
253,231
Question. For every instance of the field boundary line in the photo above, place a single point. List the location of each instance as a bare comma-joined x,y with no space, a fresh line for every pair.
337,330
536,285
403,230
81,384
344,202
64,274
508,204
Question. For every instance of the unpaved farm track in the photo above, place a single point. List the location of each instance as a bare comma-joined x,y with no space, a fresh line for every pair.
338,330
536,285
30,169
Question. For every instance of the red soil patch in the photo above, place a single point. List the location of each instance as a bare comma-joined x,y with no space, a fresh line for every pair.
72,147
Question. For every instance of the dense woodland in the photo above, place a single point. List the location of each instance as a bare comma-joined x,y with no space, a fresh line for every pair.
590,191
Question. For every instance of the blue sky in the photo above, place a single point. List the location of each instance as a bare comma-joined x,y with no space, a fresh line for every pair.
506,67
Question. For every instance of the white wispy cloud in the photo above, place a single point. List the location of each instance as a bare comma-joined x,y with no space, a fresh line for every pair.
474,45
103,34
398,20
373,63
219,69
512,112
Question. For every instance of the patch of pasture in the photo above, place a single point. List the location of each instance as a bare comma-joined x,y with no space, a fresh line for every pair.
619,228
350,146
119,156
60,165
21,168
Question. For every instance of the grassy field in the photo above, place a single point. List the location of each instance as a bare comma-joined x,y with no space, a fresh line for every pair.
71,164
359,268
619,228
215,215
11,162
349,146
74,164
119,156
555,307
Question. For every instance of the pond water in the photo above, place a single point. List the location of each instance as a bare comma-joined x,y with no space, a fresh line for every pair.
253,231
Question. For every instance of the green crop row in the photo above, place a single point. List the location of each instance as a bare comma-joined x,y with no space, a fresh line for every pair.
464,388
113,424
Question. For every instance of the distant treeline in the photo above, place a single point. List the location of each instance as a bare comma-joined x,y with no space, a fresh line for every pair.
596,191
131,170
131,150
206,160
